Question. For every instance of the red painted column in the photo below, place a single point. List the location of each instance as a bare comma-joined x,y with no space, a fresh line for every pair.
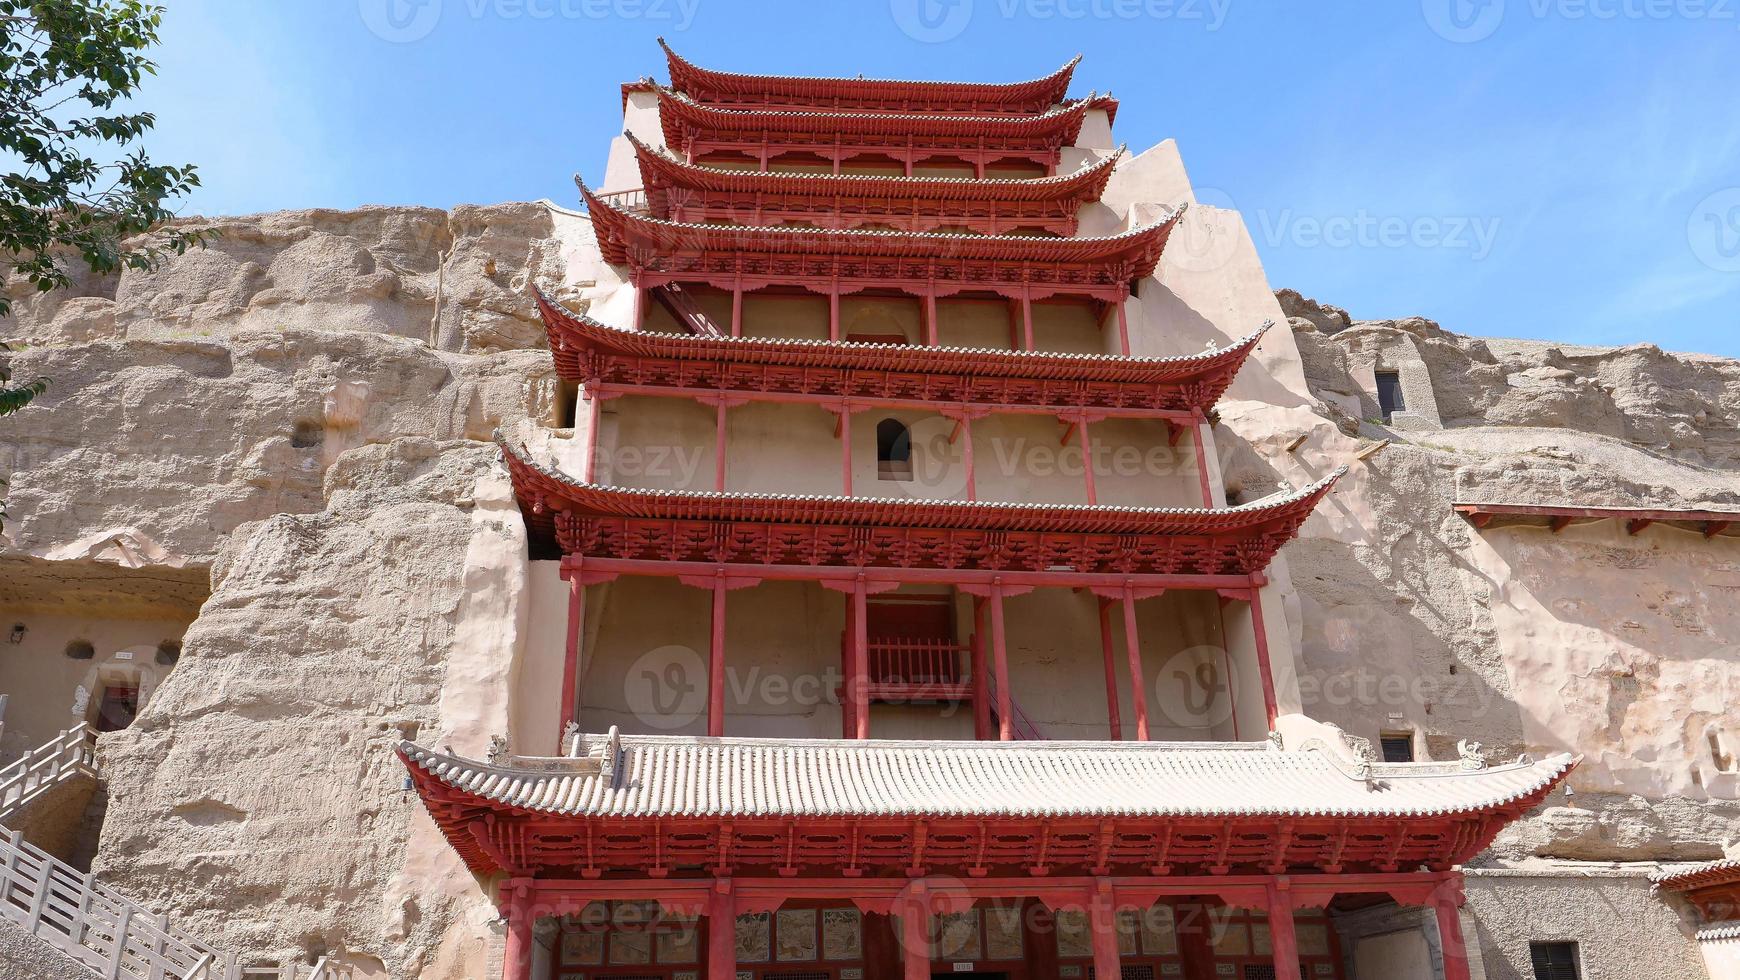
722,932
1000,659
716,664
1103,923
1197,440
915,935
1087,461
845,451
981,690
1117,724
1281,936
571,655
1124,325
737,311
1261,635
639,308
1026,320
859,685
1133,650
834,312
1453,946
595,416
719,447
930,330
849,671
517,956
966,427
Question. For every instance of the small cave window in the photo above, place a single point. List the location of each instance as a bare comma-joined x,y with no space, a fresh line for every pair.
1389,391
567,404
1397,746
893,450
168,653
80,650
306,435
1555,961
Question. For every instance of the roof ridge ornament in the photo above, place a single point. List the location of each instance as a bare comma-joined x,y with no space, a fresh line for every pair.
1472,758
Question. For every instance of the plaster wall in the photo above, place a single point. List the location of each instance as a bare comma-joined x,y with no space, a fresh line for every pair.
48,692
1721,958
1622,930
1393,956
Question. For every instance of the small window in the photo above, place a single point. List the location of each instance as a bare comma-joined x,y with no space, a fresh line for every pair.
1555,961
893,450
1390,397
1397,746
80,650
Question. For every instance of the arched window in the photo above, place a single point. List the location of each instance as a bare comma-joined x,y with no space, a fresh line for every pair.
893,450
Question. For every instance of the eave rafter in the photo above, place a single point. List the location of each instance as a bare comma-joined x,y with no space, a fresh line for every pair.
858,532
788,91
658,252
590,353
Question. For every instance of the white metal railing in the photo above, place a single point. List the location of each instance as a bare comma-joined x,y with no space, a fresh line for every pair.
96,926
633,199
72,752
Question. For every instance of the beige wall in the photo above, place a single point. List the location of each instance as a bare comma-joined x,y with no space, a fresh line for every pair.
1722,958
48,692
1393,956
1621,928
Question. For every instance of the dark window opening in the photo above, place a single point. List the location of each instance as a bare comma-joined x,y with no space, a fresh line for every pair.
80,650
168,653
1397,746
1390,397
1555,961
119,706
893,450
567,405
307,435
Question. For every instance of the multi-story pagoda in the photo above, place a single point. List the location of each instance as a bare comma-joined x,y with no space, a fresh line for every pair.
940,470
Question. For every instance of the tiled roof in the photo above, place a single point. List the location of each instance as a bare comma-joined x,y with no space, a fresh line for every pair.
575,330
906,512
1719,932
673,776
1060,124
1086,182
1685,877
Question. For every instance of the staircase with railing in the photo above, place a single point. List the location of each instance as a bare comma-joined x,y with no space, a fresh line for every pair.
72,753
683,308
86,921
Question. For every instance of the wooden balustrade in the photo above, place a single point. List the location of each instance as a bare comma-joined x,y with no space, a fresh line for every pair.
71,752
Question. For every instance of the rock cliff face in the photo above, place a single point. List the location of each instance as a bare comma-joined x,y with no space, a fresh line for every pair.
299,414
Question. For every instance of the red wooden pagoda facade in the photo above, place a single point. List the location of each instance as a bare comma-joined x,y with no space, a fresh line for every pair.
681,856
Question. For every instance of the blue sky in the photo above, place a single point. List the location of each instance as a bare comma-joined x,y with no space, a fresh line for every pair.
1558,169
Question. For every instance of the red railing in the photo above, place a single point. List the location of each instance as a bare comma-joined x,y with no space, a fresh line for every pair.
904,660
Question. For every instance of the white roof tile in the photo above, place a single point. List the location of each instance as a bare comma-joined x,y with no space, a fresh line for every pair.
673,776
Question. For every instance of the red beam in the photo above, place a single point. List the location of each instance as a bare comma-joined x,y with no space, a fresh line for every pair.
918,576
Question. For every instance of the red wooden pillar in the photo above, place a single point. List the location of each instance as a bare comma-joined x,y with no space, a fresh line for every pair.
716,664
1281,937
1133,650
1026,319
964,431
1201,444
1261,636
981,692
722,932
858,685
1000,658
719,446
1123,325
848,671
914,913
571,570
516,961
1452,945
737,310
930,329
1117,724
1087,461
1103,923
845,450
594,415
834,312
639,308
